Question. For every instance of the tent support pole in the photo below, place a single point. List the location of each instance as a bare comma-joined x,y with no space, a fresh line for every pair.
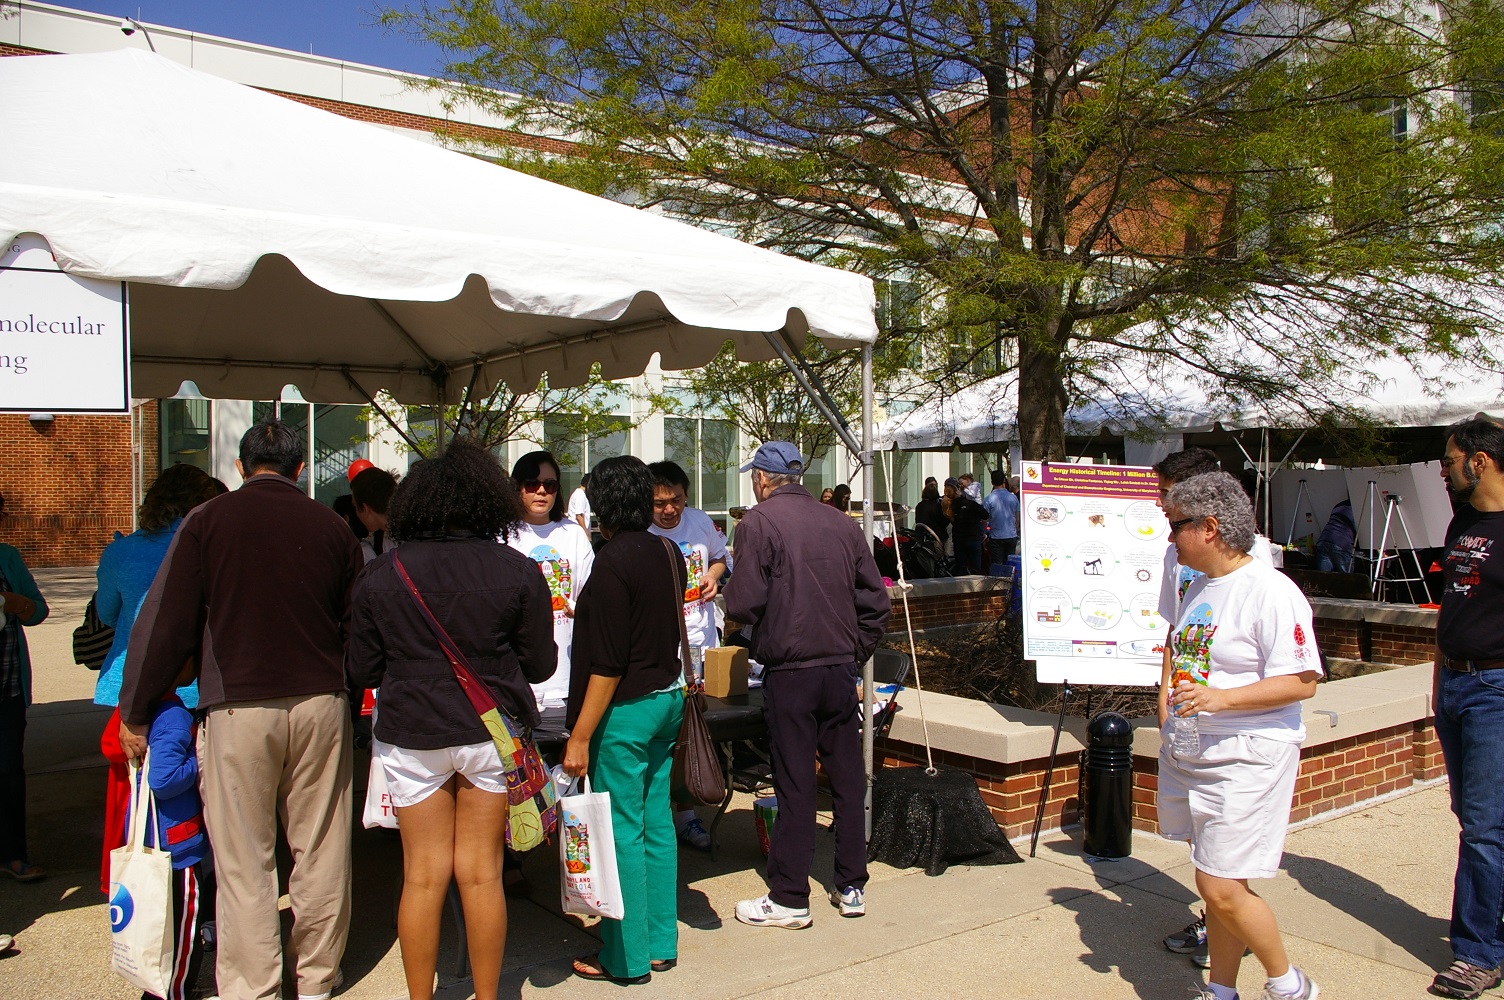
371,401
810,383
868,489
433,364
467,408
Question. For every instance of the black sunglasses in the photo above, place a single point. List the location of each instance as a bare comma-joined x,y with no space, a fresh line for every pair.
534,485
1175,526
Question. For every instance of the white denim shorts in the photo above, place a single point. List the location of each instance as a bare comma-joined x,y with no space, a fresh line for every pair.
1231,801
414,775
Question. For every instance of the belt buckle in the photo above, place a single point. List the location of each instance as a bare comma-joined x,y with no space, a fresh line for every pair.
1466,668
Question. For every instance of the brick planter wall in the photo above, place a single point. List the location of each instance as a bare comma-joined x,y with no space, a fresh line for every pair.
941,610
1380,642
1332,777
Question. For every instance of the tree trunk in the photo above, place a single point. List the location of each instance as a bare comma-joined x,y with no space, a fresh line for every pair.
1041,395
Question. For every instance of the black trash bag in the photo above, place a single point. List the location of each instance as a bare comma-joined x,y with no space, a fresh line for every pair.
933,821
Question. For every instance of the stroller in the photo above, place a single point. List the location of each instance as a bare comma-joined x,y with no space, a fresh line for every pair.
922,553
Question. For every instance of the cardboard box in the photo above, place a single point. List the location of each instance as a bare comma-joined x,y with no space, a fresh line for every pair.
725,671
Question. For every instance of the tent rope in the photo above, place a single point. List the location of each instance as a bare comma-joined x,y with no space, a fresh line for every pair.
904,586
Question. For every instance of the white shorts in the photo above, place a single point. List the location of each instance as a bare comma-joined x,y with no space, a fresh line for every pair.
1231,801
414,775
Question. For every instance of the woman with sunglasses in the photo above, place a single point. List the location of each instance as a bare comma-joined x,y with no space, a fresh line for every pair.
562,550
1243,656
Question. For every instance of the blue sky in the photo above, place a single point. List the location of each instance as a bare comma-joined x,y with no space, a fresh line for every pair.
340,29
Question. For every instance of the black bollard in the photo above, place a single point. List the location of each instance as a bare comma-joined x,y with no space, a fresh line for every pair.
1107,801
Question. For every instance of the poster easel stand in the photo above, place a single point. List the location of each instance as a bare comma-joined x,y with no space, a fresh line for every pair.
1302,492
1393,513
1049,771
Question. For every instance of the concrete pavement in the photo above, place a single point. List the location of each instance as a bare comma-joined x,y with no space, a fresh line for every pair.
1362,902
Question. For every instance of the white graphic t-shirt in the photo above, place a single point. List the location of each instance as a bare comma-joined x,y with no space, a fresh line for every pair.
562,551
1176,578
701,545
1238,629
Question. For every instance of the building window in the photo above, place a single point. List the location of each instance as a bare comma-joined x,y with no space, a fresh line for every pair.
187,430
707,451
578,451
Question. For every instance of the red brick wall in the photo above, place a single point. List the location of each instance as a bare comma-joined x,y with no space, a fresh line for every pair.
939,610
67,484
1387,643
1425,751
6,49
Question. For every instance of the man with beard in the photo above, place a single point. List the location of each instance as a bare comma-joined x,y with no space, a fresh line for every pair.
1469,700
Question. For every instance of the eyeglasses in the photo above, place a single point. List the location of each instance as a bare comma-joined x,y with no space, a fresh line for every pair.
670,502
549,486
1447,461
1175,526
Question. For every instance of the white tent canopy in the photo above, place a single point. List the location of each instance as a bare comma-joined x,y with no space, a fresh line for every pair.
1158,398
267,242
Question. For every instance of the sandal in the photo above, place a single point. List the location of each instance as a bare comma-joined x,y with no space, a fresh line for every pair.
663,964
589,967
23,872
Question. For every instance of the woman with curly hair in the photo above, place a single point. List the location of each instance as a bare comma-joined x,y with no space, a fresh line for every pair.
127,567
626,702
442,769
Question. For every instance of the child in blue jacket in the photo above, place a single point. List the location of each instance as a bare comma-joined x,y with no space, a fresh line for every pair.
180,831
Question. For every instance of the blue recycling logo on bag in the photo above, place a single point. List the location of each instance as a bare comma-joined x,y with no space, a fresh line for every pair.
122,908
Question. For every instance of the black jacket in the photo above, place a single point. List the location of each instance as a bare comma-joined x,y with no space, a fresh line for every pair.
494,603
806,579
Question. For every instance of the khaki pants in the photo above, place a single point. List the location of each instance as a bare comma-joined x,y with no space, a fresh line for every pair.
258,761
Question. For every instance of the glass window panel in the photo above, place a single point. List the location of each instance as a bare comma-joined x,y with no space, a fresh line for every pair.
720,465
612,444
340,436
679,446
186,433
568,449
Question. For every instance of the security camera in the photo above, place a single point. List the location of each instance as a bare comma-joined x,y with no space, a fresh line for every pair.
127,27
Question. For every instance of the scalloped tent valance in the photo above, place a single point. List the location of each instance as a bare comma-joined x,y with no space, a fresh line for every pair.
267,242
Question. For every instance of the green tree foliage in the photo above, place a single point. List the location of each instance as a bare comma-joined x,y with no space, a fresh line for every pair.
1282,192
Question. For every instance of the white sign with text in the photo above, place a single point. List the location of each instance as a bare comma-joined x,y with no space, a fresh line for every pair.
64,341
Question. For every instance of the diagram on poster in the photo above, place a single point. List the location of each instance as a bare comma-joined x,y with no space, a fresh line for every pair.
1093,550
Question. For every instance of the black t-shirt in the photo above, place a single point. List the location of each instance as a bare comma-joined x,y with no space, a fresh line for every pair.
1470,624
968,516
627,619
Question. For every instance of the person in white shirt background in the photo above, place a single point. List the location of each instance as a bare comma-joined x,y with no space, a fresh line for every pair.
579,504
562,550
704,550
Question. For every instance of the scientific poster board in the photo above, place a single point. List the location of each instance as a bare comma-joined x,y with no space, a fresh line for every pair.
64,341
1424,500
1310,507
1093,552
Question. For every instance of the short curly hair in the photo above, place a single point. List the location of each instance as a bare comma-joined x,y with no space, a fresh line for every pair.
462,490
179,489
621,494
1219,495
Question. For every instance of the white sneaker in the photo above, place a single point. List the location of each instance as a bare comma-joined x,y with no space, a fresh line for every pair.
850,901
763,912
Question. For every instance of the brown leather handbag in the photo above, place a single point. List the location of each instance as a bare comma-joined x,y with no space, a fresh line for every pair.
696,775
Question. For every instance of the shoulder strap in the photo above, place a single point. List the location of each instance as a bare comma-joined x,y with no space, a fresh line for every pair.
676,559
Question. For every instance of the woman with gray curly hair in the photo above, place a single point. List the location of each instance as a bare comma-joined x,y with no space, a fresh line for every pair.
1244,657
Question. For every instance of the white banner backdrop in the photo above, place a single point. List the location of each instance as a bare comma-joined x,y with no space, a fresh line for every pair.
64,341
1323,489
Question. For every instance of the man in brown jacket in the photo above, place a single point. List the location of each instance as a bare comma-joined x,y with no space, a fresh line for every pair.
256,586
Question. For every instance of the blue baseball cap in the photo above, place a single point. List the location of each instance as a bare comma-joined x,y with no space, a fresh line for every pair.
777,457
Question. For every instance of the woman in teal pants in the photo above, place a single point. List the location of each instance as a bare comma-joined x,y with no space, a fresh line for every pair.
626,701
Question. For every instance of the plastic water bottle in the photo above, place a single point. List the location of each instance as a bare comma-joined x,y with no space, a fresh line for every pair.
1185,736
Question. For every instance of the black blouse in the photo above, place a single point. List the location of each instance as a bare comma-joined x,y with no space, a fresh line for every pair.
627,619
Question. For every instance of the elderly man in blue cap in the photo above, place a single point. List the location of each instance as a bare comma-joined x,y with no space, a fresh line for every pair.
805,578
